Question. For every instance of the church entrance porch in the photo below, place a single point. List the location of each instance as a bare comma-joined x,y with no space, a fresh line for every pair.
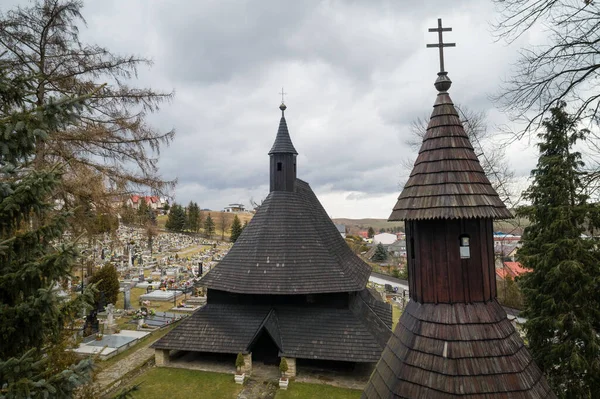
264,350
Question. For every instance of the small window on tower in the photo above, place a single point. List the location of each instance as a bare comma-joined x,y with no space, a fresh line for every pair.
465,249
412,248
294,168
279,165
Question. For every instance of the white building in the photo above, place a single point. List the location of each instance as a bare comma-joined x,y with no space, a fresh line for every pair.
384,238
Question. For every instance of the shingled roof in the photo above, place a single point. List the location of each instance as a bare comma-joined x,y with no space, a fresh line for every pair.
447,180
290,246
283,142
456,351
300,332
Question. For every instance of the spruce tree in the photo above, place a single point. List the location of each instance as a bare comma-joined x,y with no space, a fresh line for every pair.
380,254
177,219
562,304
193,214
32,261
236,228
209,226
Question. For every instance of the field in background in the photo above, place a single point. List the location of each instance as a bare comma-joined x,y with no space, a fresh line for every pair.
217,217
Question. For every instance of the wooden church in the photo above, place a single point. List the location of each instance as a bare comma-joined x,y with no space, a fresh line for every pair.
454,339
289,287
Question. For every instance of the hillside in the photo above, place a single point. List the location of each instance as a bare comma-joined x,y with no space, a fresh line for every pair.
512,226
217,217
354,225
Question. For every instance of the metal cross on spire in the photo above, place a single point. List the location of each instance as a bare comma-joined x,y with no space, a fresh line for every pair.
440,42
282,94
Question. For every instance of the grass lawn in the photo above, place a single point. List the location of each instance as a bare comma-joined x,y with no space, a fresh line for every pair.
161,383
302,390
396,312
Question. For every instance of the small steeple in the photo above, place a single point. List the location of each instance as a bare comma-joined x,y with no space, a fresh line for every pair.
283,157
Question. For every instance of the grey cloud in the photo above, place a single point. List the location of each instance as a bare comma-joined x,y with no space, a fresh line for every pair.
357,73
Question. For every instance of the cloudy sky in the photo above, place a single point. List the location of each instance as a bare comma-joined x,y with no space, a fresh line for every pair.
356,73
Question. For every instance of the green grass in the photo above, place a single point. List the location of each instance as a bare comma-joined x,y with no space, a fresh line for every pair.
396,312
161,383
302,390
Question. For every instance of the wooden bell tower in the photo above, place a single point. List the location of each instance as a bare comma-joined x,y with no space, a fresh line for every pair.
453,338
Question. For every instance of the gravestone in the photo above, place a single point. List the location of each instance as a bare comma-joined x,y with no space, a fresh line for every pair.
126,298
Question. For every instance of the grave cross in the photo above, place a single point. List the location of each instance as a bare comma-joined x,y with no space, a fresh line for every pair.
440,42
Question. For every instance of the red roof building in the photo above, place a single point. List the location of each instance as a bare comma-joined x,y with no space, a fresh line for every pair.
511,269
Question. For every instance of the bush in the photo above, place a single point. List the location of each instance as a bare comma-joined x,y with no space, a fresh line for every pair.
107,280
239,361
283,366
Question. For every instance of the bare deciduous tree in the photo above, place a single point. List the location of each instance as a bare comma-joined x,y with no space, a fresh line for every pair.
564,70
113,139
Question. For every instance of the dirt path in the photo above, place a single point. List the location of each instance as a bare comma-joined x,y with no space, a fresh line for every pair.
258,388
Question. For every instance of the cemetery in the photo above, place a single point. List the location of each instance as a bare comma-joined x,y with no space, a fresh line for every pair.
156,287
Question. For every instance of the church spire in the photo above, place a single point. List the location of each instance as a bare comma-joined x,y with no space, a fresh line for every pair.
283,157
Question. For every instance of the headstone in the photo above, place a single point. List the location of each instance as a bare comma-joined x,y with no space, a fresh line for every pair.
110,318
126,298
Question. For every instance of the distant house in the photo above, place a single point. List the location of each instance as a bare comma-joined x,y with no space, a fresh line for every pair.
363,234
384,238
511,269
235,208
342,229
398,248
154,202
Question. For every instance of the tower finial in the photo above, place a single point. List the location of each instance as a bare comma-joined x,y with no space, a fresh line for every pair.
443,82
282,107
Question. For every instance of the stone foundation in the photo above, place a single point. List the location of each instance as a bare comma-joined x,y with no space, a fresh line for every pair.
291,362
161,357
247,367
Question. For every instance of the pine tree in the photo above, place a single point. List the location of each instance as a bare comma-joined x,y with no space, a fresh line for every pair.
562,305
236,228
209,227
177,220
32,262
380,254
193,213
